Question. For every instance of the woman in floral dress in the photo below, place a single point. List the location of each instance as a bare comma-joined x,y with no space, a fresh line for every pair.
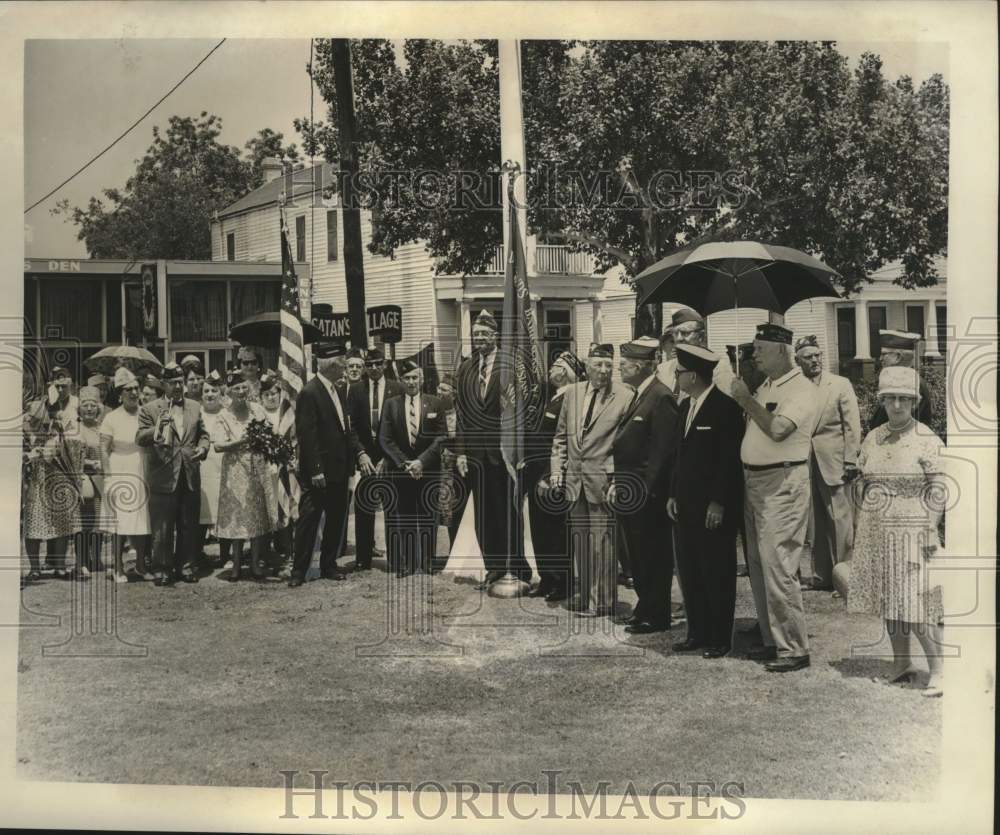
90,538
248,504
897,529
211,467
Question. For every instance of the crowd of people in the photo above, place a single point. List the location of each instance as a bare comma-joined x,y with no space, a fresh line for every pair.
656,472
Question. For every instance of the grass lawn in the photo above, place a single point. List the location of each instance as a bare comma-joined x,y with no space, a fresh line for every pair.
242,680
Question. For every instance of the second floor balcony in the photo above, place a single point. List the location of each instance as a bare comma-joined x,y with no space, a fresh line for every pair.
549,259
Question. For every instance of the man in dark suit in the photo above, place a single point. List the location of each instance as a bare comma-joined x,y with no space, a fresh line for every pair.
328,451
638,493
365,400
411,432
549,529
480,457
706,502
172,427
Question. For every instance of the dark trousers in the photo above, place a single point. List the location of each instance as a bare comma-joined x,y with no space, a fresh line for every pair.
331,500
550,539
706,563
499,526
367,498
412,537
173,514
647,534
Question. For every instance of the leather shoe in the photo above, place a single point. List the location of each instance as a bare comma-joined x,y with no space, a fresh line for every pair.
762,654
294,581
627,620
163,582
809,585
334,575
687,645
540,591
644,627
715,652
556,595
788,664
188,578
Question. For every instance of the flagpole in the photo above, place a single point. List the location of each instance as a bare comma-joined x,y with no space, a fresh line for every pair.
513,196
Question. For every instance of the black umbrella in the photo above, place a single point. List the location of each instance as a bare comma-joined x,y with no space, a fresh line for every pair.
264,331
727,275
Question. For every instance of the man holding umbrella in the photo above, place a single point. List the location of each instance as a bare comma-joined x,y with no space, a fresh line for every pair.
775,454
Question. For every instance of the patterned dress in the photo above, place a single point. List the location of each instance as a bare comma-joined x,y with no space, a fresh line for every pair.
248,503
889,574
52,490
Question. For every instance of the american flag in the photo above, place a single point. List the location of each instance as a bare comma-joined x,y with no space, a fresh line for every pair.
291,356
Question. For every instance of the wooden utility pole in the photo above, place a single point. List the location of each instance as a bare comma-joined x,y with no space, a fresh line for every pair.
354,263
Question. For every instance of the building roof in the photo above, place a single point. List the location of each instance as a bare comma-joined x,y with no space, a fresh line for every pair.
302,187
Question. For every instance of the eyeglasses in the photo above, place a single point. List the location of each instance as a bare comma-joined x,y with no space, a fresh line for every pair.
248,362
374,363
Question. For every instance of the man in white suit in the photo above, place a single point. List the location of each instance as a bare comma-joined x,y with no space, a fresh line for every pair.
835,444
582,463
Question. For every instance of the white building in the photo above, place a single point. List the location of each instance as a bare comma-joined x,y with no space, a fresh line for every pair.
573,306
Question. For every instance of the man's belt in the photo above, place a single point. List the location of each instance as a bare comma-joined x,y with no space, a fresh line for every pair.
756,468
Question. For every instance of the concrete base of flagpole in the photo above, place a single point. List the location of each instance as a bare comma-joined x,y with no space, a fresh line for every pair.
508,586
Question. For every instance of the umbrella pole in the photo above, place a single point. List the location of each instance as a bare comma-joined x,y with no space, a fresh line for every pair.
736,307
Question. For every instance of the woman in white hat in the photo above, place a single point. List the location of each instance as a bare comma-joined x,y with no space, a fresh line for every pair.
125,480
897,529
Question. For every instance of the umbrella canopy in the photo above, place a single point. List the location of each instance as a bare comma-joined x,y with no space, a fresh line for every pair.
731,274
137,360
264,331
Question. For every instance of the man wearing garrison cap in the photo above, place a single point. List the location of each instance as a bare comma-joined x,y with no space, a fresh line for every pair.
641,455
582,463
775,453
706,502
899,348
836,442
477,445
687,327
329,450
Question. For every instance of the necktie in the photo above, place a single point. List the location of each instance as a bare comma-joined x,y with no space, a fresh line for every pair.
484,379
590,411
690,417
374,405
412,423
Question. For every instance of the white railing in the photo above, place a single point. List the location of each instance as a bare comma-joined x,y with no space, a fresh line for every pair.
558,260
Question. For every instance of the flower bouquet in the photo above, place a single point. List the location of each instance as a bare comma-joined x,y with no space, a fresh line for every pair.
262,439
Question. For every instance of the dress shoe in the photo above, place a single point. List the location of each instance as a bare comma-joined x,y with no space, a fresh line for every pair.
810,585
334,575
577,606
715,652
34,576
188,578
586,613
762,654
295,581
628,620
687,645
644,627
365,567
538,591
556,595
788,664
163,582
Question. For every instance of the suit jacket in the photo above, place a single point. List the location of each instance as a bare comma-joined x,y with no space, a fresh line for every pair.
538,441
586,462
359,402
325,446
164,462
394,436
924,412
644,437
706,464
837,437
478,417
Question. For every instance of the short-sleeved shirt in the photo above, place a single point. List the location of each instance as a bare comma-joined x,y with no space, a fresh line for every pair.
792,396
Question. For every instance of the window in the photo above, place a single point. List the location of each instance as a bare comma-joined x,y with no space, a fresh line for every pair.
252,297
198,311
300,238
30,306
73,306
915,319
113,306
331,235
876,322
847,347
231,246
941,316
557,324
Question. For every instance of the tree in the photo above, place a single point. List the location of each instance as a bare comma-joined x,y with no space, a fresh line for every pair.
638,148
165,207
266,144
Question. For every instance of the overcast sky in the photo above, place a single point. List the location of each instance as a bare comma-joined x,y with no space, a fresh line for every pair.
80,94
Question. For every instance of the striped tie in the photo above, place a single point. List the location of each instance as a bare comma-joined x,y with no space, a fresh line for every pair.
484,379
413,425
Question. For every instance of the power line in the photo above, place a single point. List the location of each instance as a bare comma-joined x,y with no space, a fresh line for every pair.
128,130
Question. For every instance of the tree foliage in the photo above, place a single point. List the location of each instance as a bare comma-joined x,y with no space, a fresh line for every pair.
795,147
165,207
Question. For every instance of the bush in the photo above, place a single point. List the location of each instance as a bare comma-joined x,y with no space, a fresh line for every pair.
933,376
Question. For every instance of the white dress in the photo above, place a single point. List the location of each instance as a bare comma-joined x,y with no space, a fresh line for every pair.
211,469
125,486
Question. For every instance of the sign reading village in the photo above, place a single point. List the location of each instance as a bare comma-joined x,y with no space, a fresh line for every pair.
384,321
